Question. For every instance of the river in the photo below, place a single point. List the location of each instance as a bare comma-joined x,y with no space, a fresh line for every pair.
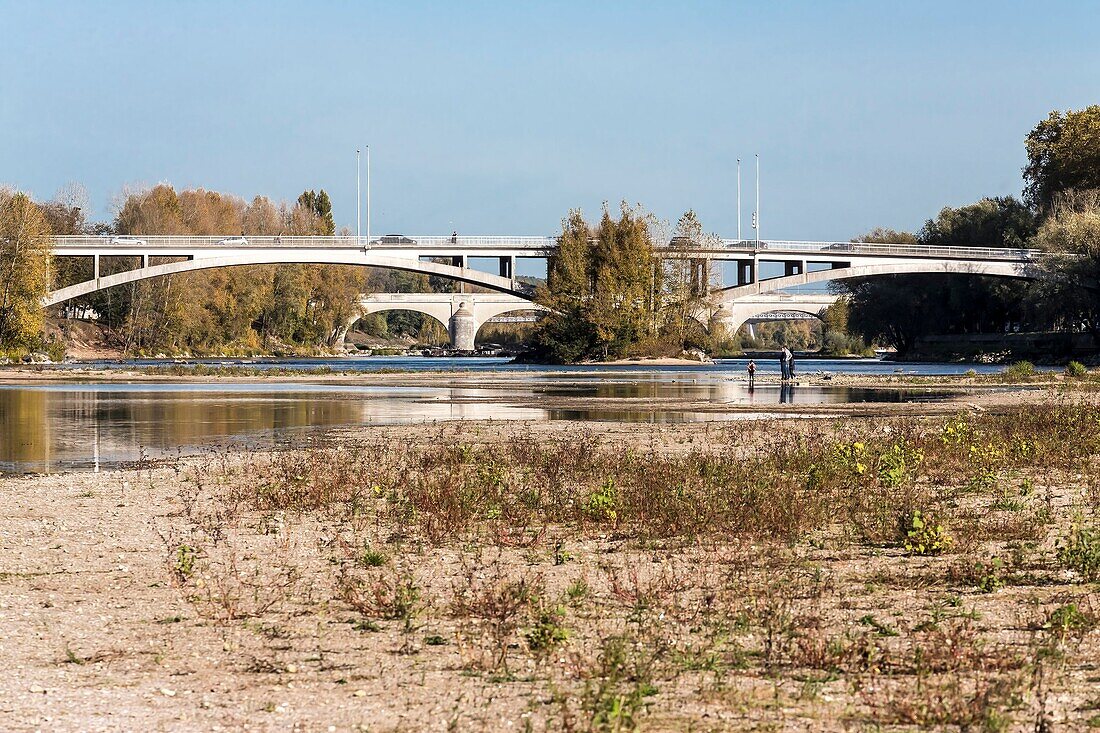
87,425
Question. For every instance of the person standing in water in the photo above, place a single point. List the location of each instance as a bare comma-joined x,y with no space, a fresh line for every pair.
785,363
752,373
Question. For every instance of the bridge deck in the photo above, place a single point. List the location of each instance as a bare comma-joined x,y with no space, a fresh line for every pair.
518,246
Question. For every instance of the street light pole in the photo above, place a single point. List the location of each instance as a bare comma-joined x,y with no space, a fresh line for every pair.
368,194
358,198
758,198
738,199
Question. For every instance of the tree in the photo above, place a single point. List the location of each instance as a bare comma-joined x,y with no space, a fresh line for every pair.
599,288
687,280
900,309
1063,153
1070,291
319,205
24,269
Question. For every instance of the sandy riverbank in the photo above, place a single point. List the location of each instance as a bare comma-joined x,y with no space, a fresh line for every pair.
410,578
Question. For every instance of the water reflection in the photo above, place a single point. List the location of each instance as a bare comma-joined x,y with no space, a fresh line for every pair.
77,427
87,426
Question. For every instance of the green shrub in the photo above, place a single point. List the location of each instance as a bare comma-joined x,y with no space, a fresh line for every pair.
548,632
601,502
989,575
1020,370
1080,552
925,536
1076,369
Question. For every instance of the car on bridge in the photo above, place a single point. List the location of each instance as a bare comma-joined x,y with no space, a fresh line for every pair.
397,239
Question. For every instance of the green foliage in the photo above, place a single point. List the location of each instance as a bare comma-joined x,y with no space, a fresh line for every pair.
898,463
925,536
600,504
183,563
1063,152
1080,552
372,558
1020,370
988,575
615,698
547,632
1076,370
1069,620
601,289
899,310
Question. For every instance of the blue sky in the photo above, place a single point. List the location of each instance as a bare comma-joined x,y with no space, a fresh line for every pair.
494,118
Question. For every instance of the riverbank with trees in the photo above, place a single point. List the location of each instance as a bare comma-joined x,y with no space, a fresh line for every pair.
610,297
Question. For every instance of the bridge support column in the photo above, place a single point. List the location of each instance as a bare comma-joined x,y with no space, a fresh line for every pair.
95,267
463,328
144,261
793,267
746,272
507,267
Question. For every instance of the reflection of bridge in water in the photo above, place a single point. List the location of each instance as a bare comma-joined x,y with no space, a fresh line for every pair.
493,262
86,426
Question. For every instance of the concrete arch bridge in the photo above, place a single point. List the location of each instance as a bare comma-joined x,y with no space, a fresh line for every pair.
801,263
750,295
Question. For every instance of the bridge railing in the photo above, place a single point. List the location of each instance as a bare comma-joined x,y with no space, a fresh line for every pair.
182,242
880,250
539,245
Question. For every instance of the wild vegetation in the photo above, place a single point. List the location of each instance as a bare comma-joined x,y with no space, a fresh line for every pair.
901,572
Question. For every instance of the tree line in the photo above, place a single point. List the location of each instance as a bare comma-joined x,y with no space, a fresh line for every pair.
1058,214
610,296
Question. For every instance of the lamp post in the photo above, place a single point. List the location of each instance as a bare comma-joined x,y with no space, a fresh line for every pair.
756,222
738,199
368,194
357,198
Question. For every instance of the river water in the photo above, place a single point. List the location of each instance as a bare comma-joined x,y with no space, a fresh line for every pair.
74,425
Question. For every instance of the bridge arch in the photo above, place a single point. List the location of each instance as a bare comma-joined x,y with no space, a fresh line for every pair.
313,257
513,309
435,316
731,294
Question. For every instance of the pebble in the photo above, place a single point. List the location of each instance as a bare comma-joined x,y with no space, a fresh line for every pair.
167,693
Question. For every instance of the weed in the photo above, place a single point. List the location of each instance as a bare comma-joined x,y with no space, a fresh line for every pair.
1020,371
925,536
1076,370
1080,552
615,697
547,632
183,565
372,558
600,505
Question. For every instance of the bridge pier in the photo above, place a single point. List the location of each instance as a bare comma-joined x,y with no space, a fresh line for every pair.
463,328
746,272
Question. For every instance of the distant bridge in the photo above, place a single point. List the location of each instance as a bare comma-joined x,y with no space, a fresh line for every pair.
463,314
802,263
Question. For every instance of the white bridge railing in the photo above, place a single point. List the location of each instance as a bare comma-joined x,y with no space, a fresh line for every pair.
536,246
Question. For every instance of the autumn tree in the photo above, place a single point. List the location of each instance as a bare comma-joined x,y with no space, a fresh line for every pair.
1063,153
599,288
1069,291
688,278
24,269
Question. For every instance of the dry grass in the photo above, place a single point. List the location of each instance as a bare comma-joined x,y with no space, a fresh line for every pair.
860,573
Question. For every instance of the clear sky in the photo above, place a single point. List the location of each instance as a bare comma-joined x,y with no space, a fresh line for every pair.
497,117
